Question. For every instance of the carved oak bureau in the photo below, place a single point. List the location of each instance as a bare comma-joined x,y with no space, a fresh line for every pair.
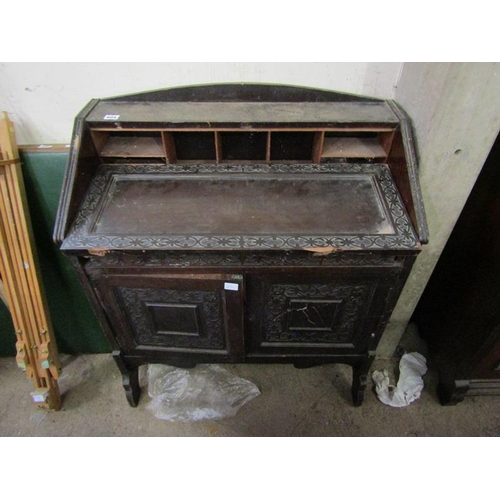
242,223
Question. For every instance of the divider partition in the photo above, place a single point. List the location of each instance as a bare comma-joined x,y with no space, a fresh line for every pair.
235,145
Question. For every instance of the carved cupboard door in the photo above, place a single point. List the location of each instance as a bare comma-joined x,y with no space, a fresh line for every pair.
315,313
177,314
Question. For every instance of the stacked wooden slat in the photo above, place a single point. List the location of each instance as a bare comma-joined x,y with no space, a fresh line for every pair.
19,270
3,296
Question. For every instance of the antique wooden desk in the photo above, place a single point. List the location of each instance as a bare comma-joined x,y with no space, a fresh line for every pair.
242,223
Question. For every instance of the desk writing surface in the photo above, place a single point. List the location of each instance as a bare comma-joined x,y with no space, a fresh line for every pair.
128,207
161,205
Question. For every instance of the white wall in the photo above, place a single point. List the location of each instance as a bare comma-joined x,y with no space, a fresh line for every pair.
42,99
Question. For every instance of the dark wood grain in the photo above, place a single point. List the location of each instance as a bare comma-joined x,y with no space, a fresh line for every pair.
184,114
402,161
259,205
347,207
242,92
82,162
240,237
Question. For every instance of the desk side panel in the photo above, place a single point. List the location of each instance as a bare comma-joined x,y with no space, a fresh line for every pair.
81,166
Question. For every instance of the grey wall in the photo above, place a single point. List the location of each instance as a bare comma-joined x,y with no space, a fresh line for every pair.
455,109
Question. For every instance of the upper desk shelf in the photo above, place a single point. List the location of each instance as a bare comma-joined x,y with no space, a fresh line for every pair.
242,125
242,131
221,146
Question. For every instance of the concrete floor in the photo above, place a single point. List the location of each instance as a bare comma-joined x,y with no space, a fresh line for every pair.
310,402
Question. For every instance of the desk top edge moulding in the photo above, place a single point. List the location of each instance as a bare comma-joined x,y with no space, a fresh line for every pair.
305,199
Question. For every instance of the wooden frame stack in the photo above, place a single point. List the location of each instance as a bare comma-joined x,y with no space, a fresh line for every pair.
36,348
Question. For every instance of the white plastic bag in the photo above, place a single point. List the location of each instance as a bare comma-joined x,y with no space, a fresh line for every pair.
206,392
412,368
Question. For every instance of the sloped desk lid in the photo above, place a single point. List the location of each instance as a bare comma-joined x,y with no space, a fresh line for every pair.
244,207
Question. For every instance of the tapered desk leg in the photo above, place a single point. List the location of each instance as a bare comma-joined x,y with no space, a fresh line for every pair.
360,380
130,378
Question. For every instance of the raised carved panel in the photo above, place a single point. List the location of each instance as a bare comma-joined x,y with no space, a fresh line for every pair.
175,319
313,313
207,307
